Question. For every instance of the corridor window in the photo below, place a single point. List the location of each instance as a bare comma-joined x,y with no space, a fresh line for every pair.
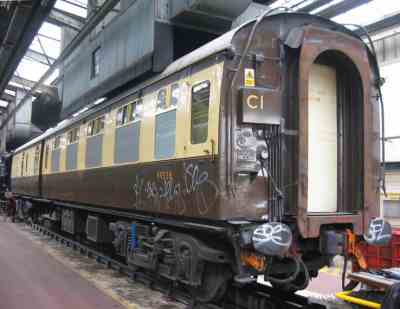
95,126
46,155
57,142
36,161
129,113
161,99
175,93
73,135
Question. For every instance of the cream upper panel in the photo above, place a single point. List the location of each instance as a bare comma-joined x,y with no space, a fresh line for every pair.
26,163
15,167
47,152
183,146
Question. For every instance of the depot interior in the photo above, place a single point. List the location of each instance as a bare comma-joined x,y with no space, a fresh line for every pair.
60,59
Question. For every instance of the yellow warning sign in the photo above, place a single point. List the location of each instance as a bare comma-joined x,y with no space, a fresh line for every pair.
249,78
391,196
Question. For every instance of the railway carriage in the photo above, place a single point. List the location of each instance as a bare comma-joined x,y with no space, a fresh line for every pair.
251,155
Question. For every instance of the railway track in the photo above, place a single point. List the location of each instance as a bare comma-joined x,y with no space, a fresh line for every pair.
255,296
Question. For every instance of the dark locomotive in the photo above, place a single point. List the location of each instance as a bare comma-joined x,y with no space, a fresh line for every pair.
248,156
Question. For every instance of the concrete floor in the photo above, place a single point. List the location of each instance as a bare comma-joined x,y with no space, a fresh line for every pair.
30,278
37,272
328,282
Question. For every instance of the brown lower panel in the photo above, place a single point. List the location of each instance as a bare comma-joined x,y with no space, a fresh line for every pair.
187,188
25,185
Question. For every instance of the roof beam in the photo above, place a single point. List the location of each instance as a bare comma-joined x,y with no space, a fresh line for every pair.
81,6
314,5
39,57
381,25
93,21
65,19
16,87
48,37
7,97
26,84
265,2
28,17
341,7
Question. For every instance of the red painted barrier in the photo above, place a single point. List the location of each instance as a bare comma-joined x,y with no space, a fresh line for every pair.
383,257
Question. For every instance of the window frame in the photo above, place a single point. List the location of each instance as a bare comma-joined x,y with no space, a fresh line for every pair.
73,136
22,163
36,160
124,110
46,155
166,105
171,97
95,63
208,81
93,124
57,142
26,163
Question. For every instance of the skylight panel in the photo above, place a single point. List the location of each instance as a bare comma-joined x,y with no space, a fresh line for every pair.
322,8
31,70
51,31
368,13
3,103
73,9
52,77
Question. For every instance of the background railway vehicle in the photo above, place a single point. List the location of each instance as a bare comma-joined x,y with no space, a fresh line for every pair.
250,155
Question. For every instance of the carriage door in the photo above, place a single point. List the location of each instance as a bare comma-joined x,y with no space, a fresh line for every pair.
202,124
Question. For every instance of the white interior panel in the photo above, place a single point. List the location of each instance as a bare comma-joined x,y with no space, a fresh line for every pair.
322,140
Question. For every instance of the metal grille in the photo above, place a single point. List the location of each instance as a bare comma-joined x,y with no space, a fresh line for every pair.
92,225
68,221
275,171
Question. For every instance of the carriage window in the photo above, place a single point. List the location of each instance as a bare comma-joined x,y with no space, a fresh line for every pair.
137,110
161,99
46,155
36,161
73,135
199,113
130,112
120,116
99,128
26,163
22,164
95,126
127,113
90,128
175,93
57,142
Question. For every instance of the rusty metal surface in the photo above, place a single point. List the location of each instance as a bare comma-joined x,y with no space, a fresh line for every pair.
315,42
59,277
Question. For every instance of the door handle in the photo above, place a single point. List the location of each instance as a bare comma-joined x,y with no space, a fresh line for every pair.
212,150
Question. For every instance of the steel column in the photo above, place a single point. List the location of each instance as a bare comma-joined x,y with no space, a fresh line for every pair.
85,31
